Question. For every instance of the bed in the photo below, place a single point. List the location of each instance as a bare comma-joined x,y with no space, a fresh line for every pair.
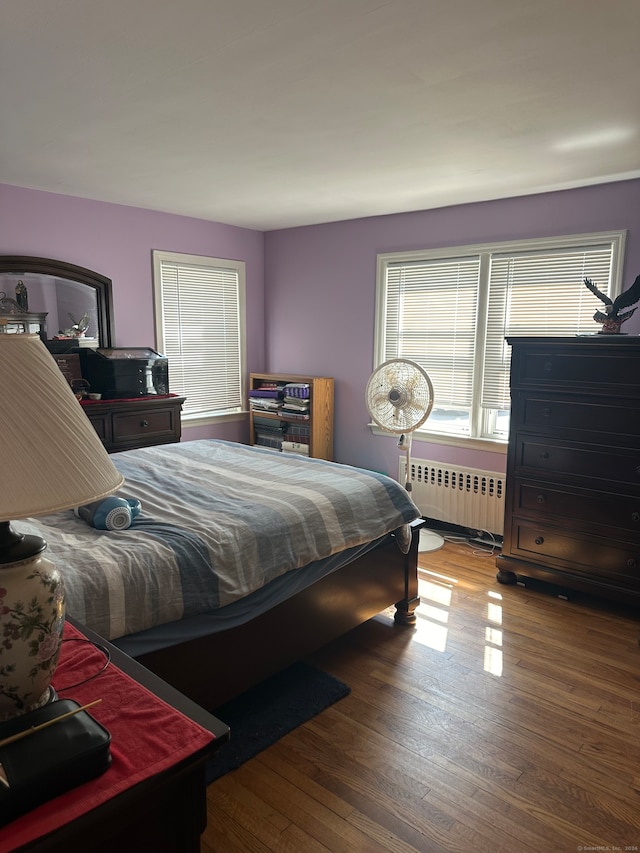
241,561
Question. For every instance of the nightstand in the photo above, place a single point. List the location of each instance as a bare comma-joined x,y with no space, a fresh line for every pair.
165,812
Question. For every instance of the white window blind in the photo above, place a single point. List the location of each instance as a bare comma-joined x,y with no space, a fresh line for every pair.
200,328
452,312
538,293
431,319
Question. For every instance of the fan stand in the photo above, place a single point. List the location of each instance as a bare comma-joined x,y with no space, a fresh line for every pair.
429,539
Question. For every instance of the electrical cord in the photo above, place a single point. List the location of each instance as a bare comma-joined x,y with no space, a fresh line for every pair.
105,651
488,550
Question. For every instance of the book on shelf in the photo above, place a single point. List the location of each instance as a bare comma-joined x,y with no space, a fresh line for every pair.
297,430
295,407
269,424
264,405
269,441
297,389
265,392
297,439
302,416
264,430
295,447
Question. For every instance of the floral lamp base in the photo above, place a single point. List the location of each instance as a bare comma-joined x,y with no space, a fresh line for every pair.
31,625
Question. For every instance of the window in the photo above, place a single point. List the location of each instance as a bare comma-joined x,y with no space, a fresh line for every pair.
200,327
450,310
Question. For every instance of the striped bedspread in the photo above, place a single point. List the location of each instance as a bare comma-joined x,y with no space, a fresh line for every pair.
219,520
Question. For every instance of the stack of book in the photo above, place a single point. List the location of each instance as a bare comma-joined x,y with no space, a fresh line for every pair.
267,398
296,400
269,433
291,402
298,433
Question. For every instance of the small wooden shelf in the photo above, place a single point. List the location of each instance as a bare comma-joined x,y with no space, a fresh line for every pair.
320,421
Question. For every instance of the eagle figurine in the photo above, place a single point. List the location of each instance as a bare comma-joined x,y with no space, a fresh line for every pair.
612,319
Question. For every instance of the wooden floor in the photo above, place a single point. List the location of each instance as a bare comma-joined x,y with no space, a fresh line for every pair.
507,720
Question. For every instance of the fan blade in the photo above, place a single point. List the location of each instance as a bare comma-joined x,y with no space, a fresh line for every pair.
399,396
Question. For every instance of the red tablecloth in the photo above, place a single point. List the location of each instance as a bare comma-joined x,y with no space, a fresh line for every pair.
147,736
141,399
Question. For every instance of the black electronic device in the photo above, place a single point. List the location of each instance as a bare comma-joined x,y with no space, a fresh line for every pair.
123,372
45,752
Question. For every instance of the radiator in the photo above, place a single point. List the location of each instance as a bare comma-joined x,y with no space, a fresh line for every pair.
464,496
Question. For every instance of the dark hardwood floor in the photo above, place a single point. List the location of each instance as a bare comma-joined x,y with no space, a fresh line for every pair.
507,720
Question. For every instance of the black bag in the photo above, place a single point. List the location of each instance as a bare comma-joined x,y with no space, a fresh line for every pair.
48,762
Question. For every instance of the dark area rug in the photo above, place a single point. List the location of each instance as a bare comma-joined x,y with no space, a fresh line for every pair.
265,713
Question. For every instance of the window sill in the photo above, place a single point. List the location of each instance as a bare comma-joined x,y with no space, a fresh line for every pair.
485,444
203,420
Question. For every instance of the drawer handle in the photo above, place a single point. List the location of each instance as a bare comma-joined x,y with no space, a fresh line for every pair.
548,366
544,455
635,516
541,499
546,413
539,540
144,423
632,563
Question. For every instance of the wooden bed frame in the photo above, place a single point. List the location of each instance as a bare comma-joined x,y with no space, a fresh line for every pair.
213,669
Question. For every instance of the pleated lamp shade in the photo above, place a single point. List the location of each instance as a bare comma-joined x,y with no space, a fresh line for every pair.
50,459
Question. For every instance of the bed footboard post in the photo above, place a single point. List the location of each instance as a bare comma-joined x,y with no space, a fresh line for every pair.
405,609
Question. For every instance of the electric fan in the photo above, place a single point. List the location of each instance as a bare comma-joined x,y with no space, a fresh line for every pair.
399,398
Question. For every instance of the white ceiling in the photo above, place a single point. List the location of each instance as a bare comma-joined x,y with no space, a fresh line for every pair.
274,113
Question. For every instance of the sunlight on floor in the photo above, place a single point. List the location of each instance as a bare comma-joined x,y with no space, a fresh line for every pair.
436,595
432,615
493,636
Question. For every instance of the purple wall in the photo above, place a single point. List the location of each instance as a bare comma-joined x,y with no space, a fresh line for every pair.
318,317
117,241
320,285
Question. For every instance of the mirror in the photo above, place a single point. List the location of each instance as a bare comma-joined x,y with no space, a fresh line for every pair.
76,301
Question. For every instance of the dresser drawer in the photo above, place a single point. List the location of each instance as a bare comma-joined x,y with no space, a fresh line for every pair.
592,366
143,424
584,462
126,424
581,508
102,425
558,415
596,556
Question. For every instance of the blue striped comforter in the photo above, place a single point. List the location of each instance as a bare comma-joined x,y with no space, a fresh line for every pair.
219,520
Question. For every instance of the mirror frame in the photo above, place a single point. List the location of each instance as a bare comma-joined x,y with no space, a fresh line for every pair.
61,269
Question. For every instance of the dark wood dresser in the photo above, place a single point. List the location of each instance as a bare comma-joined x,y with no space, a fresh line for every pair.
126,424
572,503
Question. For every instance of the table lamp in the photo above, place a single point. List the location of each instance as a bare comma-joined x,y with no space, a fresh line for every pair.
51,459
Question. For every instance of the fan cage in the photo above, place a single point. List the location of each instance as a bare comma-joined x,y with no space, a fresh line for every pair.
399,396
